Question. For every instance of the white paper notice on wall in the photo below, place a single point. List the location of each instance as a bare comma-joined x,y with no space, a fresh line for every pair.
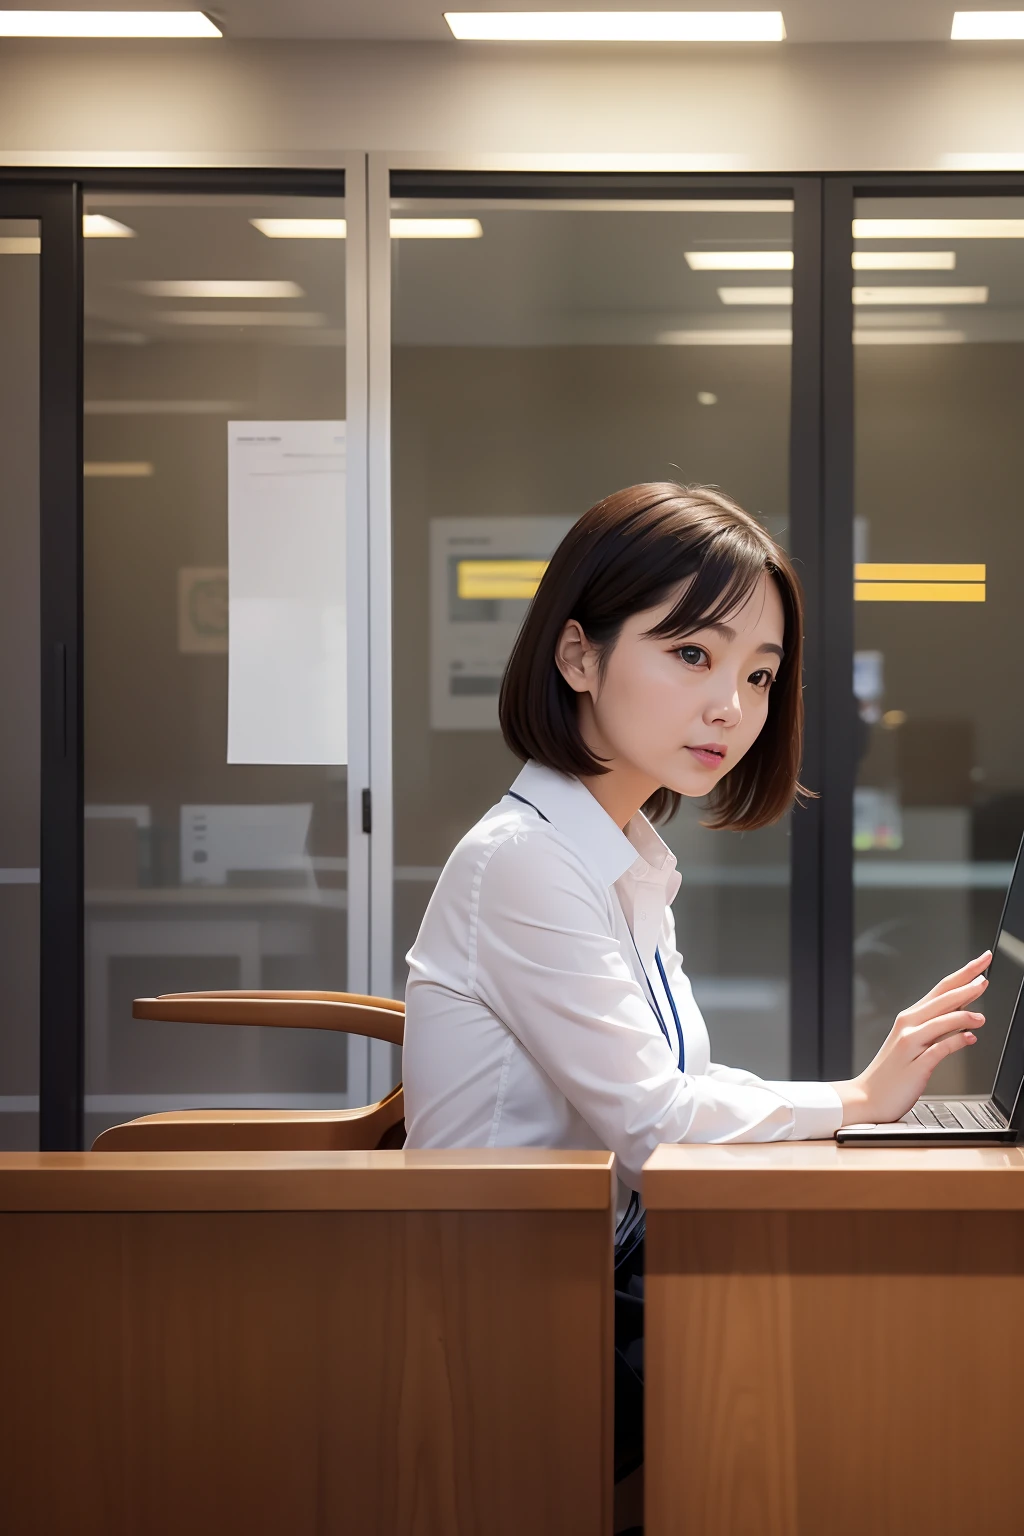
287,694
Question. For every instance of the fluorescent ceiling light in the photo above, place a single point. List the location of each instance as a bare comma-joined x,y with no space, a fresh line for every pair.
19,245
908,338
96,226
300,317
401,229
735,338
617,26
107,24
436,229
938,229
121,469
217,288
756,295
301,229
886,319
970,26
739,261
904,261
920,295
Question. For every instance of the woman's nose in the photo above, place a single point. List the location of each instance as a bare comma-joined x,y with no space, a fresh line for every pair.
724,711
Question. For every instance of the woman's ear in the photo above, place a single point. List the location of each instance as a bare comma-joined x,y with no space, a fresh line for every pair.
574,657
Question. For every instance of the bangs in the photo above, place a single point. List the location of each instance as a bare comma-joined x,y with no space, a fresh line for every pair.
727,573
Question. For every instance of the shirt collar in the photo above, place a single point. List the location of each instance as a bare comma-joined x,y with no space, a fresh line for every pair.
570,807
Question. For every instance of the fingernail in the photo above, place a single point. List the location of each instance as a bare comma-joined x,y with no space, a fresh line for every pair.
979,1016
971,1039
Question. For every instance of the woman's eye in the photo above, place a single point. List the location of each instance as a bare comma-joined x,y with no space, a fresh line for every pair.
762,679
691,654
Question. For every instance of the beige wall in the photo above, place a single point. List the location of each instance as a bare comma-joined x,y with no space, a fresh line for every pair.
810,107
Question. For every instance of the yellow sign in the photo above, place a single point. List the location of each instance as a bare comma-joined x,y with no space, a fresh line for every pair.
495,579
918,583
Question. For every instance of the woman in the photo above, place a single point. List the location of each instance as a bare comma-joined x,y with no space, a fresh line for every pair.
547,1004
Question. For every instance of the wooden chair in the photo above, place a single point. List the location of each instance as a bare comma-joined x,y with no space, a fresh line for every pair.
373,1126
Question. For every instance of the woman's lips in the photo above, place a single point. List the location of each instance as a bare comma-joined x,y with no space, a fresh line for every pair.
710,756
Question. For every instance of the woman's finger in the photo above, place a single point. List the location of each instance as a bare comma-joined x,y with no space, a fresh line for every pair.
931,1007
933,1030
947,1047
958,978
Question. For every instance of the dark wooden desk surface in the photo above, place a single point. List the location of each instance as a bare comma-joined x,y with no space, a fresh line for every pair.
387,1344
834,1338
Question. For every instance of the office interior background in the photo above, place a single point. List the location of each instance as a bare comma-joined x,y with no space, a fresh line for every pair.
521,277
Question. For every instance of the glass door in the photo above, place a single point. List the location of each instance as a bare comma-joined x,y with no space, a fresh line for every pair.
551,344
223,657
939,800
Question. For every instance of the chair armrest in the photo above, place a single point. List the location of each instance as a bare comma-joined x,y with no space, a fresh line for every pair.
379,1018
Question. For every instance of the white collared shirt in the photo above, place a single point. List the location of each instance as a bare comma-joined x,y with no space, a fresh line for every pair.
528,1008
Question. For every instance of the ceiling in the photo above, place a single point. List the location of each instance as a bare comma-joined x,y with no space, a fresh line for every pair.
807,21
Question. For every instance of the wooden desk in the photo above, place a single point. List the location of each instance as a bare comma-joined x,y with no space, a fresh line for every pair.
374,1343
835,1338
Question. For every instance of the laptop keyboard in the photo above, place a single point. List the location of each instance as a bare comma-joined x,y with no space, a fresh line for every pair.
954,1116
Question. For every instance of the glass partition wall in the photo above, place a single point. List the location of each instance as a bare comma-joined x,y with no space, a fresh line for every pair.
216,791
531,347
938,545
546,351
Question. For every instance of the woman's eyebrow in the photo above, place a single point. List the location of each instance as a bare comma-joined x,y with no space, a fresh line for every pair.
728,633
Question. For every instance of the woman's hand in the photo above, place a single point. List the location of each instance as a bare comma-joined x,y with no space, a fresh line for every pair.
921,1037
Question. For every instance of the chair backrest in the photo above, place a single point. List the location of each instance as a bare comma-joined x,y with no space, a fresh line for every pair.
370,1127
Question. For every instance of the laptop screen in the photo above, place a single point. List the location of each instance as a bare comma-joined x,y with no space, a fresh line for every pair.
1004,986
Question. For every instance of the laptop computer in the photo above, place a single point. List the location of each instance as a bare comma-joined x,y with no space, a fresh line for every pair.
975,1120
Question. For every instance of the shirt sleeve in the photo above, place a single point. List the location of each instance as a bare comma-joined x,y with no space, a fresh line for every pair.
817,1109
544,958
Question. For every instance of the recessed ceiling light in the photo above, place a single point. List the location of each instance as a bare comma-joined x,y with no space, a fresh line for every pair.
756,295
96,226
301,229
938,229
401,229
969,26
739,261
903,338
107,24
436,229
299,317
886,319
218,288
920,295
617,26
730,338
904,261
706,397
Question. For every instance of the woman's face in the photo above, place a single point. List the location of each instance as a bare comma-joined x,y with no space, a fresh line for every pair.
678,713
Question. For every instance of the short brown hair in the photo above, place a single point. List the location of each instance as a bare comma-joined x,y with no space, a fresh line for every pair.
623,557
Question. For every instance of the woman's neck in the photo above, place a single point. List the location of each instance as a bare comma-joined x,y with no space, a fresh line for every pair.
624,787
621,791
